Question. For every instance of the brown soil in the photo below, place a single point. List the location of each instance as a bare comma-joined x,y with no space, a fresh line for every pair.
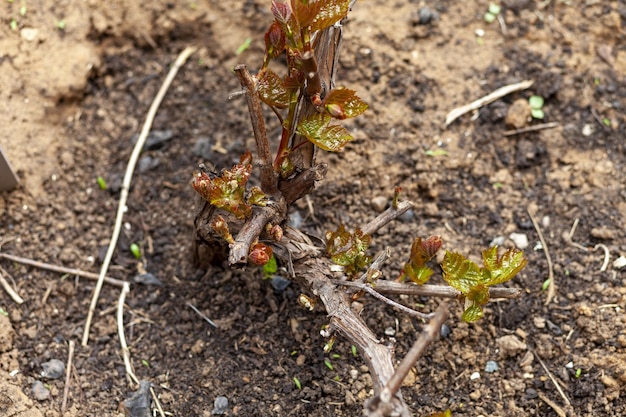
74,98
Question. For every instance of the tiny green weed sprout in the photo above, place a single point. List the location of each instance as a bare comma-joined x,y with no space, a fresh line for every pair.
354,351
270,268
134,249
102,183
536,107
436,152
13,24
492,13
545,285
297,382
23,10
606,121
579,372
244,46
335,356
3,312
145,363
328,364
61,24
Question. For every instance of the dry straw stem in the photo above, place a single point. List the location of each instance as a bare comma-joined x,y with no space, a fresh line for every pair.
182,57
68,376
570,241
532,128
7,287
489,98
551,285
60,269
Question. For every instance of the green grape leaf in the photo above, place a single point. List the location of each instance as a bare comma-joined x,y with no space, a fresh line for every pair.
422,251
317,130
419,274
330,12
503,268
479,294
348,249
472,313
270,268
343,103
272,90
461,273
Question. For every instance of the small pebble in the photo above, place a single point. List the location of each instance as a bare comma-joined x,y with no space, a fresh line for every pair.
570,365
155,139
279,283
53,369
475,376
203,148
138,404
147,163
390,331
407,216
40,392
497,241
147,279
510,345
539,322
445,331
620,262
220,405
426,15
520,240
379,204
491,366
354,374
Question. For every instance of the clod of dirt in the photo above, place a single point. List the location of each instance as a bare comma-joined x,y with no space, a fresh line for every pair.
604,232
520,240
510,345
138,405
155,139
53,369
518,114
40,392
379,203
220,405
6,334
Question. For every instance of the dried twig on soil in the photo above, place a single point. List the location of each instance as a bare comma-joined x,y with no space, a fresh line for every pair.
60,269
532,128
386,216
378,405
607,253
544,245
130,373
208,320
554,380
489,98
68,375
182,57
559,411
7,287
370,290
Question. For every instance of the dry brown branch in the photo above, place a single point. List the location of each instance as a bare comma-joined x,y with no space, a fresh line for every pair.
269,177
544,245
128,175
532,128
427,290
60,269
489,98
7,287
68,375
386,216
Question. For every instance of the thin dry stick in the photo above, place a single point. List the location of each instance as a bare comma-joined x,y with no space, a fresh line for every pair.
68,375
126,183
553,379
368,289
607,253
386,216
201,314
130,373
60,269
532,128
7,287
544,245
429,334
489,98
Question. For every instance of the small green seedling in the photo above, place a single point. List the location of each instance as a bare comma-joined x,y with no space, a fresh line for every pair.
297,382
13,24
134,249
102,183
545,285
328,364
436,152
606,121
293,353
23,11
61,24
354,351
244,46
270,268
145,363
4,312
335,356
579,372
492,13
536,107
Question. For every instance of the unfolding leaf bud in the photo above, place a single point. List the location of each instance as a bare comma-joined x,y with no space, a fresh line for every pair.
276,232
220,226
306,302
274,40
286,167
260,254
201,182
246,158
336,110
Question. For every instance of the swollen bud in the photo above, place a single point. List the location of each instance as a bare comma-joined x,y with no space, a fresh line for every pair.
201,182
336,110
220,227
260,254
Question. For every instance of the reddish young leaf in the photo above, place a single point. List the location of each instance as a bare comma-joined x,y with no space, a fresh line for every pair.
201,182
272,90
422,251
220,227
316,129
330,12
260,254
343,103
305,11
281,12
274,41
